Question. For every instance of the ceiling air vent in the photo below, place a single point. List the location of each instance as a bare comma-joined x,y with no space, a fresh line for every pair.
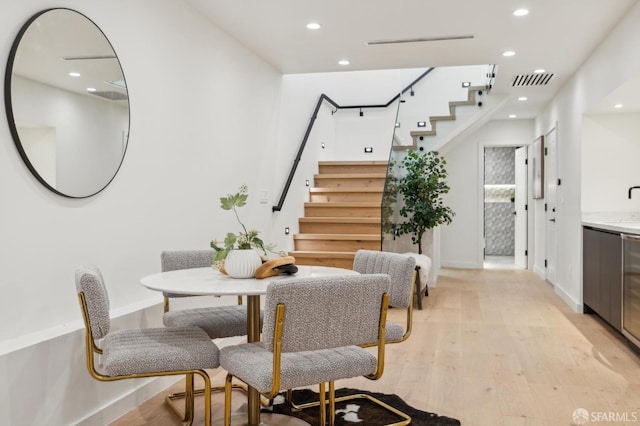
532,80
111,95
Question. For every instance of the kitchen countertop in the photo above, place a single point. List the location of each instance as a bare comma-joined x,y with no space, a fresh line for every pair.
627,225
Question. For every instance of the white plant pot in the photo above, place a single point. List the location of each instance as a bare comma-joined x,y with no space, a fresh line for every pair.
242,263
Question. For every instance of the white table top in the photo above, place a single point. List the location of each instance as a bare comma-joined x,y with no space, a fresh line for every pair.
209,281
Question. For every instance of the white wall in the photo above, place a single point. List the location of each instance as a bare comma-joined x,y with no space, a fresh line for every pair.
610,142
614,62
461,241
203,121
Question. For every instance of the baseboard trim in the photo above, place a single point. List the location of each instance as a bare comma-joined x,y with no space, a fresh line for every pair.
144,390
576,306
461,265
539,271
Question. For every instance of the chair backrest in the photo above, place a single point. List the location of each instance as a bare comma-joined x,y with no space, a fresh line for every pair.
89,281
399,267
325,312
173,260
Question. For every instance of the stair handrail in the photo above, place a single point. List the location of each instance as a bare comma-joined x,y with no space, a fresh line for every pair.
321,99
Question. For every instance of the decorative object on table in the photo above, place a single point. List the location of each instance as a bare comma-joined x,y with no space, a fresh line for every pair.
422,188
239,251
362,412
277,266
242,263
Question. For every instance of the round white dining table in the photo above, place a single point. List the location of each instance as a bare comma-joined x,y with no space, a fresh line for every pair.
211,282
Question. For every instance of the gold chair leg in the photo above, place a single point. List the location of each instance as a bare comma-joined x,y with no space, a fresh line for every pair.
322,404
332,403
189,400
227,399
207,401
187,416
169,399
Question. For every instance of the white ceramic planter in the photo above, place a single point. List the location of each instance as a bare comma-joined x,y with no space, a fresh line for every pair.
242,263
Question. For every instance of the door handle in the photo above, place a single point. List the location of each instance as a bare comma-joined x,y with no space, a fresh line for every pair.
552,220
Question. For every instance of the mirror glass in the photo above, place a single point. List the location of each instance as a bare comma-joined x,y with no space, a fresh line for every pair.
67,103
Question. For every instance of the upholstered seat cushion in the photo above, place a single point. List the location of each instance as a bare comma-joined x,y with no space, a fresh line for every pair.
393,331
252,363
153,350
218,321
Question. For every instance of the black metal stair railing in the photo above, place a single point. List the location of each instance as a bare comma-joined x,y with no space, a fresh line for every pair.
325,98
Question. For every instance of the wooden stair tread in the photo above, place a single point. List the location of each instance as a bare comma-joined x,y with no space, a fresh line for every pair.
342,204
330,219
346,189
349,175
323,254
342,214
306,236
462,103
421,133
442,117
352,163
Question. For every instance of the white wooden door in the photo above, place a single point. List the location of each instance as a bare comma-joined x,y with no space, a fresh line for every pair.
521,208
551,180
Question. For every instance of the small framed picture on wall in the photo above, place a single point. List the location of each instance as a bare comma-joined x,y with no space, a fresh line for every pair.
537,162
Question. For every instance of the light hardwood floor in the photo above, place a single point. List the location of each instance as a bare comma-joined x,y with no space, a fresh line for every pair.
492,347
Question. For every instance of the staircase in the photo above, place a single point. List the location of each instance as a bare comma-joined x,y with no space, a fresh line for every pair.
474,98
342,215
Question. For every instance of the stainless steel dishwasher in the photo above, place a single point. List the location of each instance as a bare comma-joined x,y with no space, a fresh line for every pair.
631,288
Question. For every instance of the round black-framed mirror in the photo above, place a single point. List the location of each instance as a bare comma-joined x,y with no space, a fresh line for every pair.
67,103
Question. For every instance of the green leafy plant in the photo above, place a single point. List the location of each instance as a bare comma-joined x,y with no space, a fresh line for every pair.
422,187
246,238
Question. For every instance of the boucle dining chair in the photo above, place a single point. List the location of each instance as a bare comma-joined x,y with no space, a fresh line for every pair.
312,331
144,352
401,269
216,321
402,273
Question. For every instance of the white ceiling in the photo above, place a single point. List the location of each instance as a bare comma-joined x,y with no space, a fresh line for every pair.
557,35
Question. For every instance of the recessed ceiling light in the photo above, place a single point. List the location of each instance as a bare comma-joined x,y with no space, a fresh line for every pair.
313,26
512,116
508,53
91,89
539,71
618,106
520,12
522,98
74,74
343,62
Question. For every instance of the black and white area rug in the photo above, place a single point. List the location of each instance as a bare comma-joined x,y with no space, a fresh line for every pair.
359,411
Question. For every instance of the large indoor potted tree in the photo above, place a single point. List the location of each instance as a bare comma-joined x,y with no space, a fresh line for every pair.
421,188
